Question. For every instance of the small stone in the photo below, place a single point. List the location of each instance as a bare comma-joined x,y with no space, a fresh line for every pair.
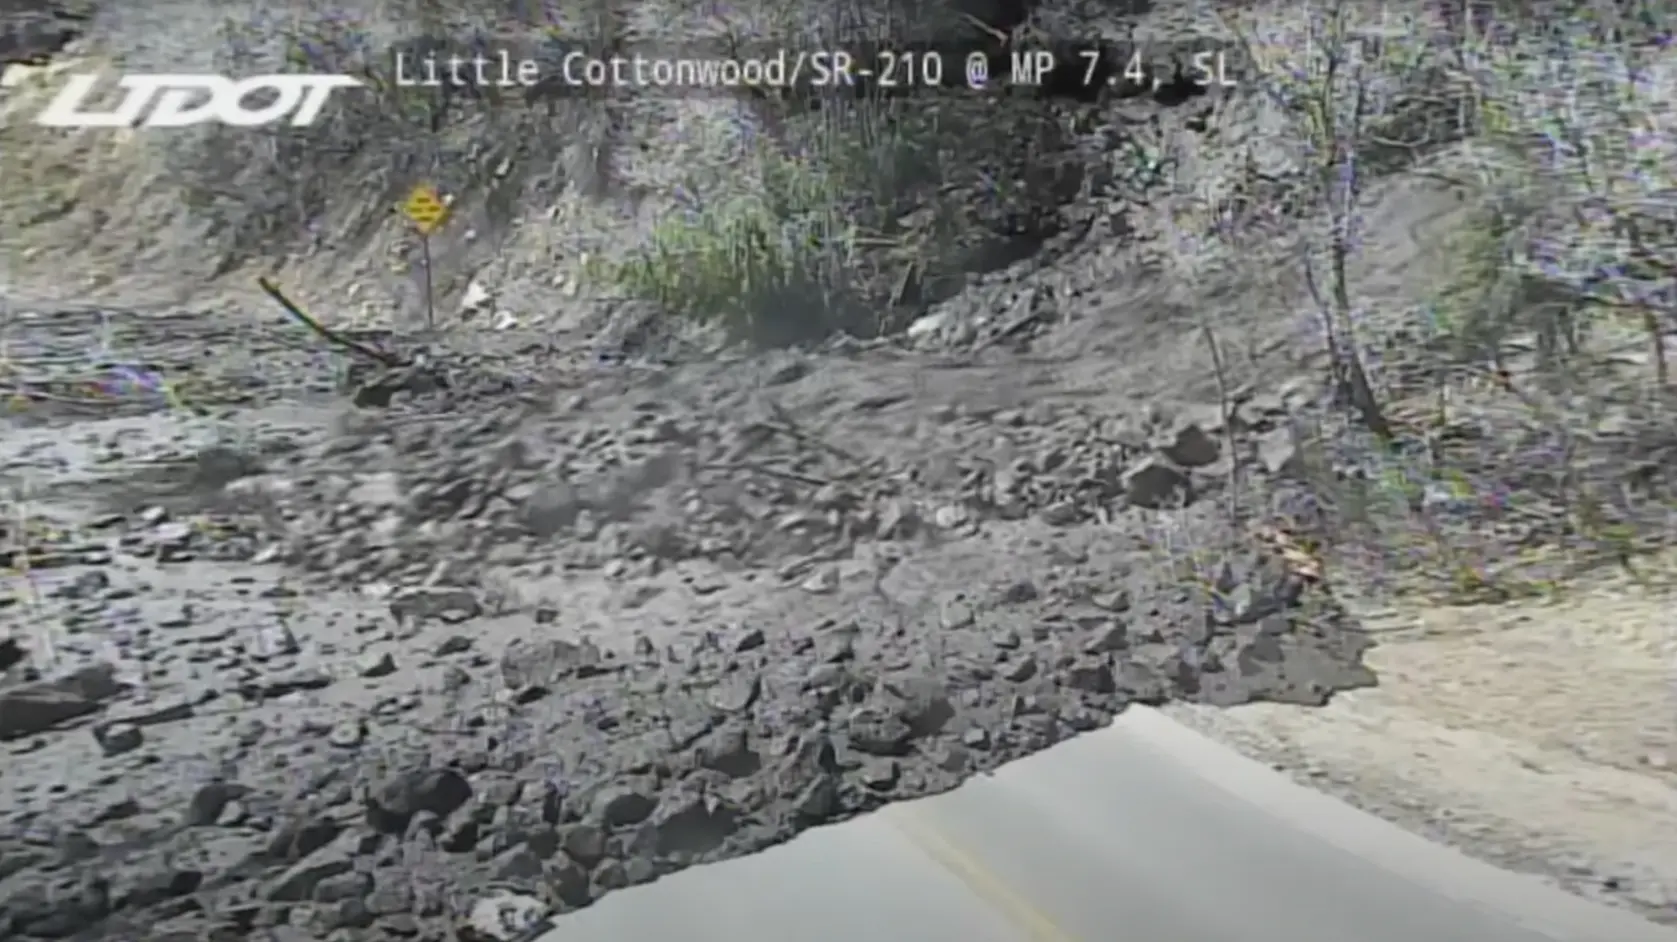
1062,513
210,800
728,751
548,663
347,734
1021,670
439,602
823,581
567,881
454,644
921,702
621,806
88,585
373,666
280,683
736,693
1191,446
957,615
1278,454
898,519
29,709
1019,593
689,824
455,678
881,774
400,798
610,875
584,843
520,863
1117,602
1155,484
818,800
639,871
1110,637
749,640
300,882
952,758
951,517
1091,675
879,733
353,885
274,641
119,738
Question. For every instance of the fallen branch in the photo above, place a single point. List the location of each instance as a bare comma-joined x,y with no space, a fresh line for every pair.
786,425
19,394
329,335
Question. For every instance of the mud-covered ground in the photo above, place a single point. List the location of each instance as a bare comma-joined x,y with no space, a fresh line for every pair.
343,672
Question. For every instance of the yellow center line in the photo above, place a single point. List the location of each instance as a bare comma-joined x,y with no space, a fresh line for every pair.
980,880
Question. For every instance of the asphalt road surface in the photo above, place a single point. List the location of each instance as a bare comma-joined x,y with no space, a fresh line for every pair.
1144,832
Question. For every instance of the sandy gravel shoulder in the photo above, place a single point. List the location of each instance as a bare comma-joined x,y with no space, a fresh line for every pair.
1539,736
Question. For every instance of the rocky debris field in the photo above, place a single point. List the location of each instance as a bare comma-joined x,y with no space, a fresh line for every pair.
456,660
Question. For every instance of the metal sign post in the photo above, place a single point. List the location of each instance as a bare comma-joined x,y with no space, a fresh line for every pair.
425,208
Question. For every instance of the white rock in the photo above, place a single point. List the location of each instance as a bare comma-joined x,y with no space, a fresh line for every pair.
508,916
822,581
927,326
477,298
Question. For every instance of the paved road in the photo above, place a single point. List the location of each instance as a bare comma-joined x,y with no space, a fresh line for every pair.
1145,832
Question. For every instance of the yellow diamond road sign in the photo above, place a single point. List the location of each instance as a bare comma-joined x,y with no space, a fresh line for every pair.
426,209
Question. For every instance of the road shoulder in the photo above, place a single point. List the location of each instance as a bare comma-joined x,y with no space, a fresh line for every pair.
1536,737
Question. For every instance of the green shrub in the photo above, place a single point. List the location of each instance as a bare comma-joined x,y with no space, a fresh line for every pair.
801,237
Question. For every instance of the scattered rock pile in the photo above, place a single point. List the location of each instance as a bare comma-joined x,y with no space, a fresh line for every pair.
413,759
588,771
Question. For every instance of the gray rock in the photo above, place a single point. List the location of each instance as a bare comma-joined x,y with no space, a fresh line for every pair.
550,662
208,801
273,640
119,738
692,825
584,843
34,708
567,881
373,666
1155,484
299,882
1091,675
1191,446
622,806
394,804
452,645
735,693
347,734
444,603
729,752
878,732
